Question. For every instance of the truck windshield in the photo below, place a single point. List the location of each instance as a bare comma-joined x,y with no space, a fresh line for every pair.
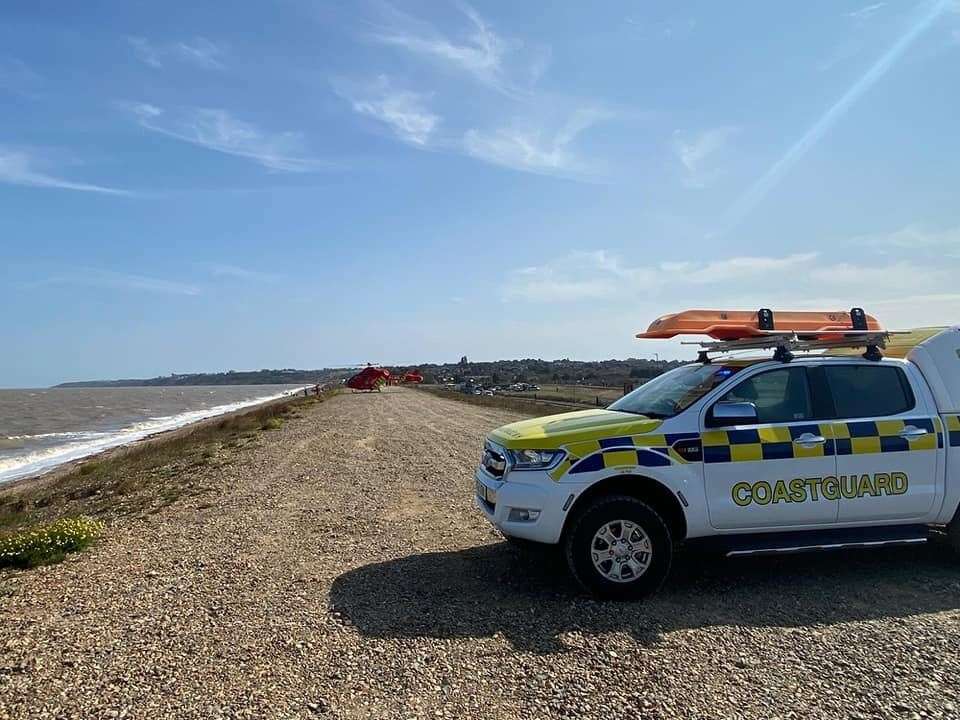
674,391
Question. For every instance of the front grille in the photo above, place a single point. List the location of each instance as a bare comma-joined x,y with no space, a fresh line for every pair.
494,461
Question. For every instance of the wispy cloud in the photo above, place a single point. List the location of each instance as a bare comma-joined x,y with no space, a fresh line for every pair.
914,237
109,279
240,273
737,268
582,275
775,173
534,148
697,154
480,51
403,111
907,291
19,167
895,276
866,11
199,51
218,130
526,145
145,52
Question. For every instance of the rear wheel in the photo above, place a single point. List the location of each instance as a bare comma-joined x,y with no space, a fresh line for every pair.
953,534
619,548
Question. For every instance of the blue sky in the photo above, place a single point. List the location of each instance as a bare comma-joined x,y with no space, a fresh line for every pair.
206,186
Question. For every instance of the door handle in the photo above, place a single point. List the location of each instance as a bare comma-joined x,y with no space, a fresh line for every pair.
912,433
810,439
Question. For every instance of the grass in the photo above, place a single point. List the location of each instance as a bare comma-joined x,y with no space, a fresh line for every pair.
548,400
587,395
49,543
273,423
525,406
146,477
12,517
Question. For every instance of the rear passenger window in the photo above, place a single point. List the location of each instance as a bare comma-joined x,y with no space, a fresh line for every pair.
780,396
868,390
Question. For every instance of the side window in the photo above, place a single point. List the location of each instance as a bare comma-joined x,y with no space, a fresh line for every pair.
869,390
780,396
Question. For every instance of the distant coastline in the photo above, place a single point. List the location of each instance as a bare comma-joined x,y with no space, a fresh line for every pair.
252,377
610,373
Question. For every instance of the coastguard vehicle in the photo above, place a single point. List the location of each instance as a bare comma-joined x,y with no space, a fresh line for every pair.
848,436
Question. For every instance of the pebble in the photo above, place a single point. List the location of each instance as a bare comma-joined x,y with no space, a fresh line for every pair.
340,570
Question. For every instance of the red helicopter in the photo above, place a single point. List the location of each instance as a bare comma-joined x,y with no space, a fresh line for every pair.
369,379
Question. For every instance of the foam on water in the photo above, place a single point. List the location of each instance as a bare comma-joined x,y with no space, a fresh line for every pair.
77,445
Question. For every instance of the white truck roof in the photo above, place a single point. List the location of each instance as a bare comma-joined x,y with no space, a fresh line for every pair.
938,359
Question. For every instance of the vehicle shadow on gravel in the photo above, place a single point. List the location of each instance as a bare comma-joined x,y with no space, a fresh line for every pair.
526,596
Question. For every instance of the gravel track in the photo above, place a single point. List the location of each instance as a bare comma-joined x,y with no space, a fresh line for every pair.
343,573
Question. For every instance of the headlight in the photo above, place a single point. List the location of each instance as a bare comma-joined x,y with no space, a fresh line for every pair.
535,459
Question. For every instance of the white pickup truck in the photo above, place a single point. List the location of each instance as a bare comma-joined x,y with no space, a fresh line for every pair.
805,452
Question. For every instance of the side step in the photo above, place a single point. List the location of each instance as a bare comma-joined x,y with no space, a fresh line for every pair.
814,540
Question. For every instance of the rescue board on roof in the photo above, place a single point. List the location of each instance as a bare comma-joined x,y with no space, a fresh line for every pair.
739,324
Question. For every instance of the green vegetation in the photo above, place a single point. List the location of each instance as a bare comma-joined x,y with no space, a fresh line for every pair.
602,373
523,405
273,423
605,373
582,394
45,544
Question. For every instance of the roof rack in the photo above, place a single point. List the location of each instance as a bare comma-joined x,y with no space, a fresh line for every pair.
785,343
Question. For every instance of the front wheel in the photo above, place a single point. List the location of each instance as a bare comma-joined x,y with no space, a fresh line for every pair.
953,533
619,548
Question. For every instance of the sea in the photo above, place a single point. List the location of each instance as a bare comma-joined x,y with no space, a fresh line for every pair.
41,429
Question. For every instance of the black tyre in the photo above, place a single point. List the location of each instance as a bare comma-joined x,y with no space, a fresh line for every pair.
619,548
953,534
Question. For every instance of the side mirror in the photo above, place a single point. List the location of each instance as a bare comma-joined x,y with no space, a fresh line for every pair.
732,413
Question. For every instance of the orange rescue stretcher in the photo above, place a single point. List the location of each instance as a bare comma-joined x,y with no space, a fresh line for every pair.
741,324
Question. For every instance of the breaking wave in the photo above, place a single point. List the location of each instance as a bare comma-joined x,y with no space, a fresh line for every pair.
70,446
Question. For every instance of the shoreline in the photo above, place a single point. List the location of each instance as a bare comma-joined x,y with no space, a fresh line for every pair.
58,471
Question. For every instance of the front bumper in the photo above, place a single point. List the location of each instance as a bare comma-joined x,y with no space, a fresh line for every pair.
525,490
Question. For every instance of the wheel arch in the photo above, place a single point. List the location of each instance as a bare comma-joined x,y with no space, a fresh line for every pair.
651,491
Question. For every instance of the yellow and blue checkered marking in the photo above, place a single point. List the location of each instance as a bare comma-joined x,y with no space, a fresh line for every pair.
842,438
625,451
953,429
765,443
883,436
860,437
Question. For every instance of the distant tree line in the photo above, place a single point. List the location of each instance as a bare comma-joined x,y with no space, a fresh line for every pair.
607,373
